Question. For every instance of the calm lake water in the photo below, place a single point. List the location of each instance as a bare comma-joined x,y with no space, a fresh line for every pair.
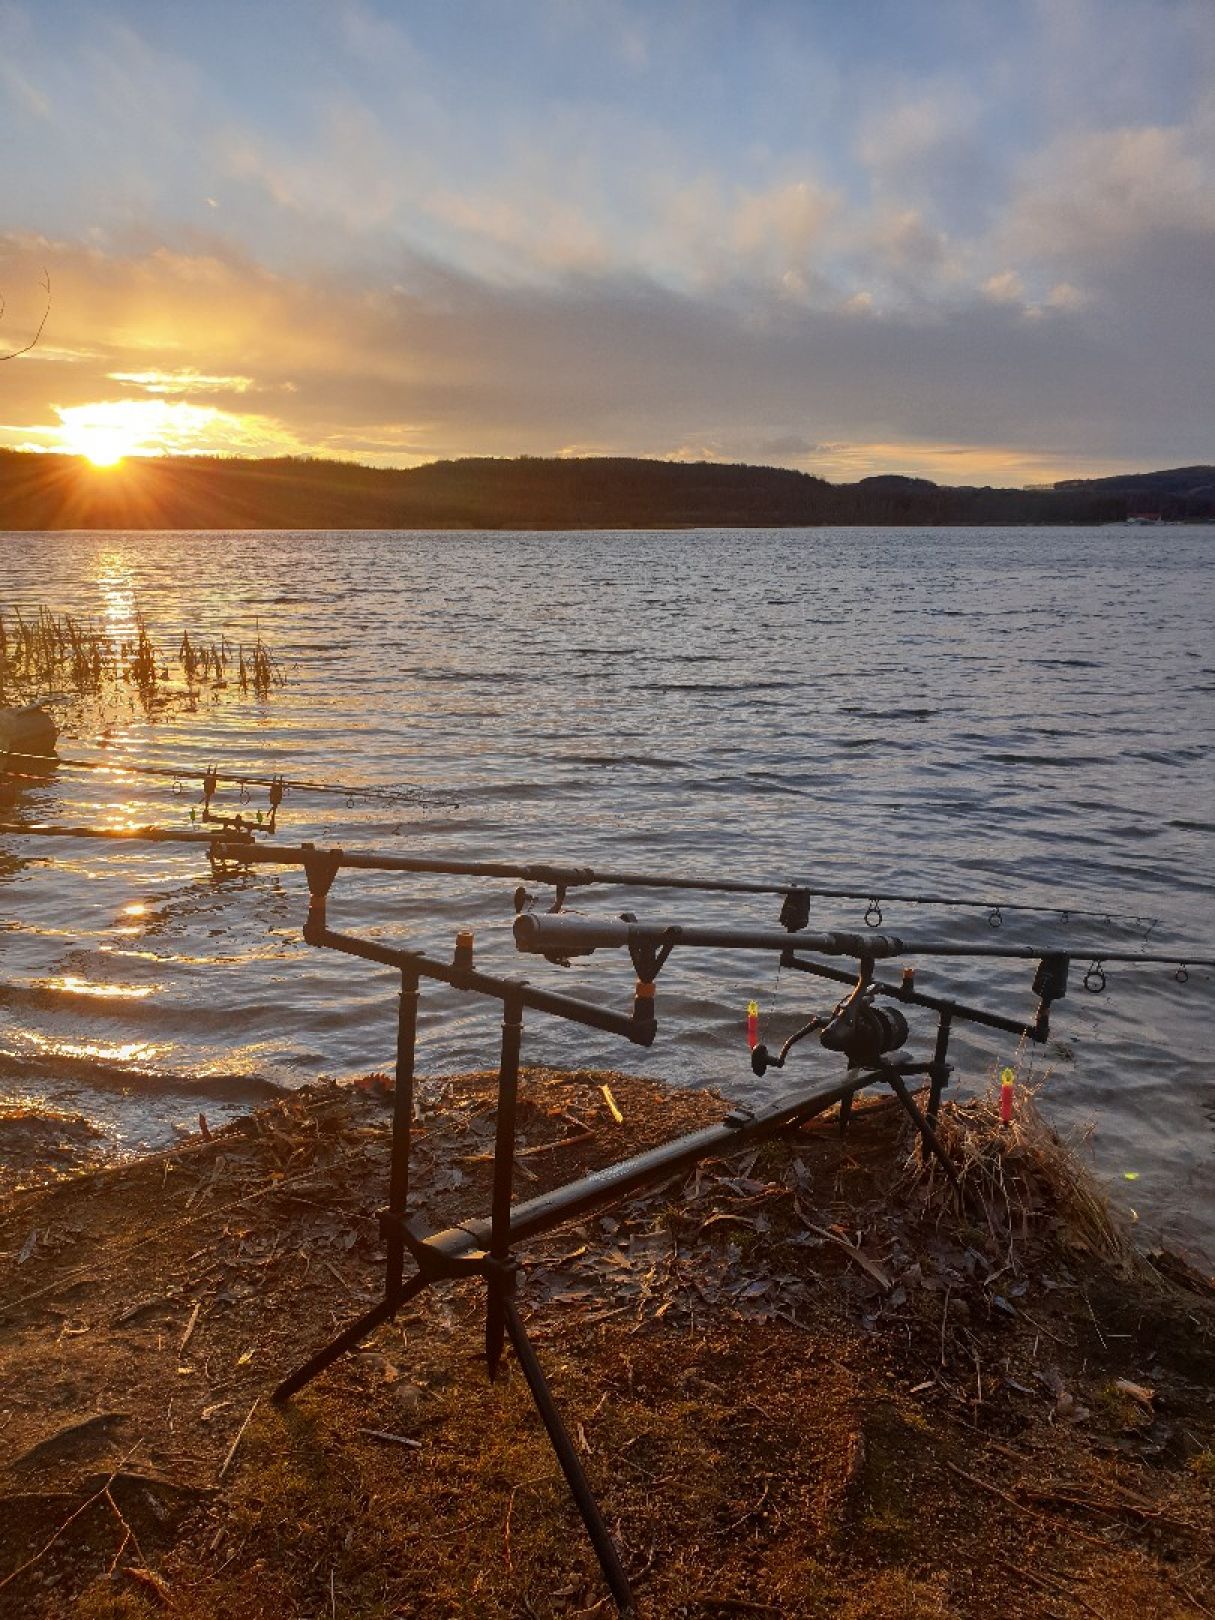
1017,714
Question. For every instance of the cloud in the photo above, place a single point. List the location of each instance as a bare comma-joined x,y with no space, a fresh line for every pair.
1006,287
439,363
184,381
1094,194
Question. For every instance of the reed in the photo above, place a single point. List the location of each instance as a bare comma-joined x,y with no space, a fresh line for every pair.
46,653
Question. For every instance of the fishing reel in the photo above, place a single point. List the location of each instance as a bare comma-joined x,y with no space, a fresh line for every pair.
858,1029
863,1031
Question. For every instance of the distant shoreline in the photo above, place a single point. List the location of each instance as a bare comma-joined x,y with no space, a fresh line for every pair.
54,493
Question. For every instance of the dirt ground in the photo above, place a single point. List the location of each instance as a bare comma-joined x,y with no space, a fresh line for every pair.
802,1381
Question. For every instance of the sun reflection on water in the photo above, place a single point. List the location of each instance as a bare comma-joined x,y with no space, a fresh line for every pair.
117,591
74,985
118,1052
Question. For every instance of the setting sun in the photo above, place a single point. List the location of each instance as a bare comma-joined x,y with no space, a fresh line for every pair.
107,431
104,450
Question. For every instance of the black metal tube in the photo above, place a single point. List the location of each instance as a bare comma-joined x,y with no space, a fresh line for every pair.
927,1132
578,1198
402,1127
938,1070
504,1138
559,934
348,1339
504,1179
571,1465
916,998
546,872
546,1001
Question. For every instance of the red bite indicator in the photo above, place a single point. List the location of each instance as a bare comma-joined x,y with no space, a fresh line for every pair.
1007,1079
753,1024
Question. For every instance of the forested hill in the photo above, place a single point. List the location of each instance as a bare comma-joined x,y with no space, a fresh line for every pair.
202,492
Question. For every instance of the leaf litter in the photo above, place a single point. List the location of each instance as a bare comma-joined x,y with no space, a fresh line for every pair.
805,1381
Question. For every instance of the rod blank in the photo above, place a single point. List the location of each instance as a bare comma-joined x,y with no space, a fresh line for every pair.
560,935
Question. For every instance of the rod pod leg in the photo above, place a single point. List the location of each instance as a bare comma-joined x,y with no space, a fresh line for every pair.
927,1135
571,1465
498,1276
396,1290
348,1339
938,1069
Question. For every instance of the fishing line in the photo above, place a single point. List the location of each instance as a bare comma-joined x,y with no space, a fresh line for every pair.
426,798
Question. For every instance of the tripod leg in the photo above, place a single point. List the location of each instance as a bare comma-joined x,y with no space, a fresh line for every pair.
929,1137
938,1069
504,1175
845,1112
571,1466
347,1339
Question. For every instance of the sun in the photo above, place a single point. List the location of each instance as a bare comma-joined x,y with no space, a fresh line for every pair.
106,432
104,450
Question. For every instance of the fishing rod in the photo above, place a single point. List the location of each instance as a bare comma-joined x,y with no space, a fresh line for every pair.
179,775
562,878
561,936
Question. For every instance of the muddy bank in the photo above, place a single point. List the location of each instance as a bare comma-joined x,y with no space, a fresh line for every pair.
802,1381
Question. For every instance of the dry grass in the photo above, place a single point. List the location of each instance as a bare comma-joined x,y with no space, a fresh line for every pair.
1024,1179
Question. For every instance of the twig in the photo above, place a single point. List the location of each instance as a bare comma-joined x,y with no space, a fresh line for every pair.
1088,1302
396,1439
531,1152
1114,1510
1175,1580
510,1508
734,1605
1050,1585
1030,1513
240,1434
87,1503
189,1333
862,1260
335,1273
127,1533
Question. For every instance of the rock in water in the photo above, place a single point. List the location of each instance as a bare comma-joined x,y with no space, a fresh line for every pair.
29,730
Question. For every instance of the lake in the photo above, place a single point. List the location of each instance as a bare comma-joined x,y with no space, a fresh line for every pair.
1006,714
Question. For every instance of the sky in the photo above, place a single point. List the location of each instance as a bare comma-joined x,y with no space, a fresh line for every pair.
971,240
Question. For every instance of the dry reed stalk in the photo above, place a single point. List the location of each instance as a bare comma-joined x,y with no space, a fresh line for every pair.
1024,1178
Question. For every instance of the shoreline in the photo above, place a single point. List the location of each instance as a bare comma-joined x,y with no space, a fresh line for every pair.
800,1382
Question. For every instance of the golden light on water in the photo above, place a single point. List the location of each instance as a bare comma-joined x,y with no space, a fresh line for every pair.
76,986
136,909
99,1051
